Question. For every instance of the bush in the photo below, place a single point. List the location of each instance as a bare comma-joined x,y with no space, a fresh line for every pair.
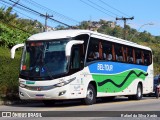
9,72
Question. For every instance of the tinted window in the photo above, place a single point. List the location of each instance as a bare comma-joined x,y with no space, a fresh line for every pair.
93,50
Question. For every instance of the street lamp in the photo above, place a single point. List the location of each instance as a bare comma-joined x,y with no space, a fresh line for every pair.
139,29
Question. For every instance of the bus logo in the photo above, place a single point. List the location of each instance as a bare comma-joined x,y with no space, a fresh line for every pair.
38,89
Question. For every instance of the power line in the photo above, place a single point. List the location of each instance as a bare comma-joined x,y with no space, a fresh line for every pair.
15,3
23,10
97,8
23,14
16,27
5,2
113,8
20,7
7,23
51,11
16,11
33,11
41,14
102,7
54,12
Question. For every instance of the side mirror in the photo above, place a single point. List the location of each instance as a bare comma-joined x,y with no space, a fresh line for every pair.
70,44
14,49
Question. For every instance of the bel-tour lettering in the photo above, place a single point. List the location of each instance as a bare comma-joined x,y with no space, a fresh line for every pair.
105,67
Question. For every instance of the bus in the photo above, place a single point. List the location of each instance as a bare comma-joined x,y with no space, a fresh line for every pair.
82,64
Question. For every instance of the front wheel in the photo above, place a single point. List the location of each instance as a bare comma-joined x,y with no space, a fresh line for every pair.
90,96
157,93
138,95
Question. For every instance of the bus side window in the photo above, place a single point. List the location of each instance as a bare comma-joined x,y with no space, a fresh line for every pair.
138,56
130,55
94,53
100,51
118,51
107,50
124,52
113,52
142,56
147,58
109,54
93,50
134,55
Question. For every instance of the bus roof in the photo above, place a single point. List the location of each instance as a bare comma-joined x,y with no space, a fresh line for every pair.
59,34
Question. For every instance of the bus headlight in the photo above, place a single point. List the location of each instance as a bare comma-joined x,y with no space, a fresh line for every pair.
59,84
63,82
22,85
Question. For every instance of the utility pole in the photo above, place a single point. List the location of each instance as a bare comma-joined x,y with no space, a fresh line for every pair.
46,18
15,3
124,19
90,23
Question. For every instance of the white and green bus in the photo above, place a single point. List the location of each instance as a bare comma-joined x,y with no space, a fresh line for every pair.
82,64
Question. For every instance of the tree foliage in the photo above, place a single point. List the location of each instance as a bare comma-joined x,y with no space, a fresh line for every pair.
14,30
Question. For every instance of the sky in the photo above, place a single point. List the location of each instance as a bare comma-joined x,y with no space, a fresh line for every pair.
72,12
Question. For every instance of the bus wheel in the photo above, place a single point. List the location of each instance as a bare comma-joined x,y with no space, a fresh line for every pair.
91,95
49,103
138,95
157,94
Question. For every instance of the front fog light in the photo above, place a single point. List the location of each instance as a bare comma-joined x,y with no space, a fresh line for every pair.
62,93
21,93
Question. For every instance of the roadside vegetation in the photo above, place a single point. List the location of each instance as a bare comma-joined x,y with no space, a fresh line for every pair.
9,74
14,30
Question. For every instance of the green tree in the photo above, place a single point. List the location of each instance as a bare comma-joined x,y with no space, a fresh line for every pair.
84,25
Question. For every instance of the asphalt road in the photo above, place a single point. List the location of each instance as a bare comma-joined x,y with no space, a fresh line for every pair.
143,109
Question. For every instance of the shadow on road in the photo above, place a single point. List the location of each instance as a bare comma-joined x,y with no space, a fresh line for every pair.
65,103
70,103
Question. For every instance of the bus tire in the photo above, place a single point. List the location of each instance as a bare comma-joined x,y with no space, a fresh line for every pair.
90,96
138,95
48,103
157,94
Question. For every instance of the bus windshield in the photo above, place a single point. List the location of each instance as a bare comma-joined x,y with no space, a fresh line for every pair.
44,59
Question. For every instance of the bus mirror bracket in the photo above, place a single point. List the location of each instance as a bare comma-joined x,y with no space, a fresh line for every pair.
14,49
70,44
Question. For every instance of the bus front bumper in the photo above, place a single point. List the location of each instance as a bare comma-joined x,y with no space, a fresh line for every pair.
56,93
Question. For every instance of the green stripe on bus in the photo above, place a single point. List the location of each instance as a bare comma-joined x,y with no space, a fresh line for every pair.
117,82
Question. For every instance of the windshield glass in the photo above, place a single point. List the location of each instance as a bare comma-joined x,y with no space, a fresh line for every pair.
44,59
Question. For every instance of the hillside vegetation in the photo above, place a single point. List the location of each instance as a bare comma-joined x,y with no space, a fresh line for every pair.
14,30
